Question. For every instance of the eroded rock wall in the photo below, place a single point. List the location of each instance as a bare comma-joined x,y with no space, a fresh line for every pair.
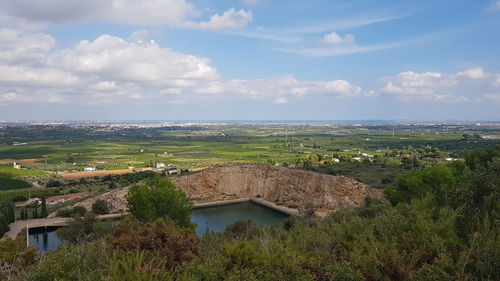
276,184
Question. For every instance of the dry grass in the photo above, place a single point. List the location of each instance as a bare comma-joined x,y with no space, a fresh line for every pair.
78,175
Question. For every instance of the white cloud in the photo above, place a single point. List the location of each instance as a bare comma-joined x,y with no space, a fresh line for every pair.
150,12
496,5
35,14
438,86
137,12
139,36
496,81
335,39
6,97
349,23
293,34
104,86
18,47
230,20
104,69
252,2
338,50
475,73
493,97
120,60
280,100
13,75
281,87
110,68
171,91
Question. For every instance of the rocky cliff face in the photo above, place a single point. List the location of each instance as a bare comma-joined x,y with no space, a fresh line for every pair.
280,185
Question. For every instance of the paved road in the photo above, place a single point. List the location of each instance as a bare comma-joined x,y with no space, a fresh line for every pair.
17,226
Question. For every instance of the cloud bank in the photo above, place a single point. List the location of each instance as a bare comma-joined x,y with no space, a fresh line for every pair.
34,14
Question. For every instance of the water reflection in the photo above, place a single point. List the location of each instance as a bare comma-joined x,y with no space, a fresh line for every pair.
211,219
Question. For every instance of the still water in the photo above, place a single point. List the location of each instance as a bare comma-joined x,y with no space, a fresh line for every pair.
216,219
210,219
44,239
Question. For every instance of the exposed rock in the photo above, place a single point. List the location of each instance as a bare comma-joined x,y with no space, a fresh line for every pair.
283,186
114,198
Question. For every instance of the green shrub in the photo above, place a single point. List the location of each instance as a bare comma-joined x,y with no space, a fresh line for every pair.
100,207
82,230
134,266
73,263
159,198
160,239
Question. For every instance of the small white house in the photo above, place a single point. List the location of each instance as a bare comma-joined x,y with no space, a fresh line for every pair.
16,166
89,169
171,171
336,160
160,165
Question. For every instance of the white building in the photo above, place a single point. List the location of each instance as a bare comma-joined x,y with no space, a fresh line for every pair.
171,171
16,166
89,169
160,165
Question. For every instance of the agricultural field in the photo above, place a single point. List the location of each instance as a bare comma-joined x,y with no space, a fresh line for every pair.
9,183
371,153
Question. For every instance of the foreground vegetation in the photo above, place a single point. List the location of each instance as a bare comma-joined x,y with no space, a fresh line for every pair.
439,223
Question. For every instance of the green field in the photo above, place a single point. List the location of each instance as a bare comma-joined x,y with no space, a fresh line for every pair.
6,171
197,147
7,183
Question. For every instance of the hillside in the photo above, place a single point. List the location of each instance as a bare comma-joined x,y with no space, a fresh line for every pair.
276,184
283,186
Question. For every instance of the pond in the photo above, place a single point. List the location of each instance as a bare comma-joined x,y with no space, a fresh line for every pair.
208,219
44,239
216,219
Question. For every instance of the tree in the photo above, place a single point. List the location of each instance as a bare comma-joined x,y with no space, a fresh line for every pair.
43,212
53,183
84,229
8,210
24,214
35,210
100,207
159,198
4,225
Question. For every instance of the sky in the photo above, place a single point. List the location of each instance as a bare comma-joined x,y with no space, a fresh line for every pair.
249,60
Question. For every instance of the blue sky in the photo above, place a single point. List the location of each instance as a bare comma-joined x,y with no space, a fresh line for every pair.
249,59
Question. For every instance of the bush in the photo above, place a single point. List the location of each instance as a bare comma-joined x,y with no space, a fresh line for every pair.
100,207
82,230
159,198
135,266
242,228
73,263
14,256
77,211
53,183
159,239
19,198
